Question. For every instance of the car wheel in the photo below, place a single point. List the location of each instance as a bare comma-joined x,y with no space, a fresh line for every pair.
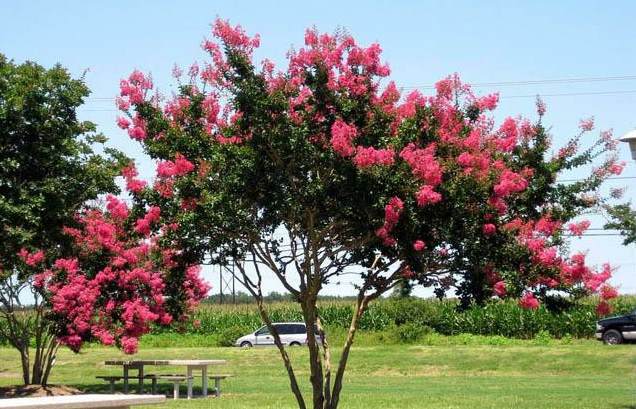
294,344
246,344
612,337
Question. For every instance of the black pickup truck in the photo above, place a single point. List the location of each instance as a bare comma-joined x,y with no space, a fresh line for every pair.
616,330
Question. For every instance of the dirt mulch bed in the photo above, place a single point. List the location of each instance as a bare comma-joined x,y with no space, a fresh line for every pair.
27,391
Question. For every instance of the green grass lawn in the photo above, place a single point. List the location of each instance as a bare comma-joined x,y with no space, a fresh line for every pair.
585,374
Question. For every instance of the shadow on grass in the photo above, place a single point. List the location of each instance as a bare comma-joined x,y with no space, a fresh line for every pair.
162,388
24,391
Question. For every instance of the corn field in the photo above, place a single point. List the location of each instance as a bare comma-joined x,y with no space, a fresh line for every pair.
500,318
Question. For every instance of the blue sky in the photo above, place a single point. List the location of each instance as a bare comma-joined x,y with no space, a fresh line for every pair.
423,41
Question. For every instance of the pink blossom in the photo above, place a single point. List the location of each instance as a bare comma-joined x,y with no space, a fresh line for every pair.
426,195
122,122
586,124
488,102
540,106
509,135
137,133
547,226
342,136
31,259
235,37
528,301
489,229
616,168
500,288
182,165
129,344
165,187
577,229
423,163
509,183
122,104
135,185
419,245
393,210
117,208
548,256
450,85
366,157
143,225
70,265
608,292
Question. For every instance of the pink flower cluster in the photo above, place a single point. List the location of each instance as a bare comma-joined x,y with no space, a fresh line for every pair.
117,208
349,68
577,229
419,245
342,136
31,259
235,37
566,271
392,212
427,196
366,157
143,225
529,301
586,125
509,183
179,167
118,299
133,184
424,167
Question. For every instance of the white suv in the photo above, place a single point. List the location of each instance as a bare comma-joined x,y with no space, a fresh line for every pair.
291,333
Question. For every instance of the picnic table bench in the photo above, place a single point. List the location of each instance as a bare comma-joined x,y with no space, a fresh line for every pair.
190,364
81,402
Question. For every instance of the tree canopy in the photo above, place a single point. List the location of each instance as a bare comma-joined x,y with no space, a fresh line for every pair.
51,164
319,171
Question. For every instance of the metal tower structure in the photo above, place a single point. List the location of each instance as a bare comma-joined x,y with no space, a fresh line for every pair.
227,282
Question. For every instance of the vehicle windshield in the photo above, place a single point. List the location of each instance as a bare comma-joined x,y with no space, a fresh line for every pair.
263,331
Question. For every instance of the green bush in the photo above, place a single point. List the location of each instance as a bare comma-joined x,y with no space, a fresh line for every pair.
228,336
411,332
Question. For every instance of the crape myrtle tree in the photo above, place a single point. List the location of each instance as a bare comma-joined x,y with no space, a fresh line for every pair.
318,172
121,276
48,170
124,275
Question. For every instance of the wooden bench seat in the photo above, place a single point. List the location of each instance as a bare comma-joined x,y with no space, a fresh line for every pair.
217,383
176,382
111,379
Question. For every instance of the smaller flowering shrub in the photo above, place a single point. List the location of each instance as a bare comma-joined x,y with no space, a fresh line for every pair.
114,288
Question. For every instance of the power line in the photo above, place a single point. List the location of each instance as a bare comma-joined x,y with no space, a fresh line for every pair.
514,83
610,178
565,94
538,82
570,94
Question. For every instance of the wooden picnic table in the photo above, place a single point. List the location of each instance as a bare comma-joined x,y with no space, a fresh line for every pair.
190,364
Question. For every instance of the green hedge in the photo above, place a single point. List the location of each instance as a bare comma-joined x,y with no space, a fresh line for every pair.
499,318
